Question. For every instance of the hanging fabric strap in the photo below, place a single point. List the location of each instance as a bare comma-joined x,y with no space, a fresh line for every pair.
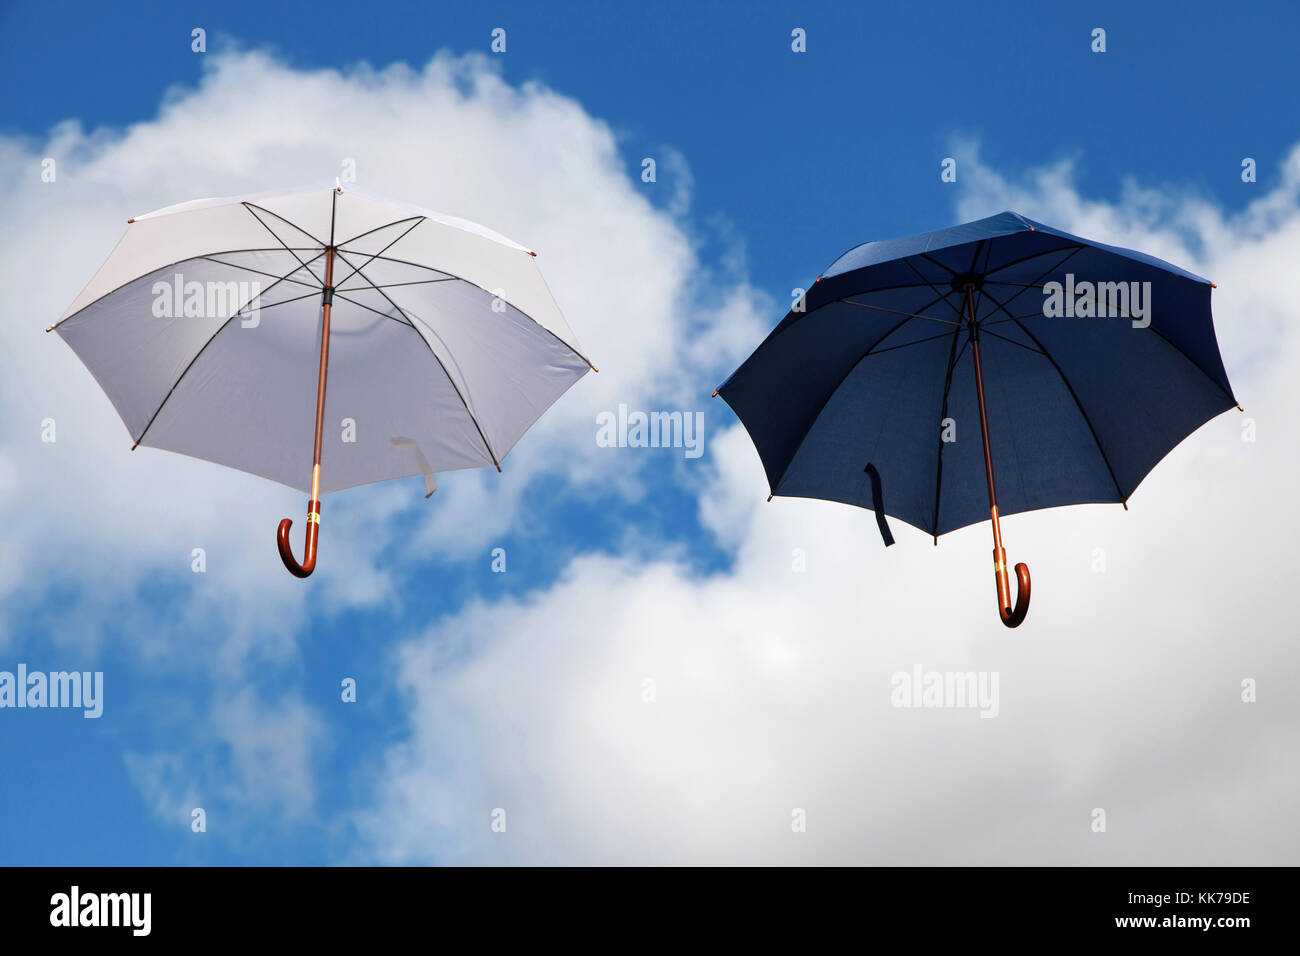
422,463
878,504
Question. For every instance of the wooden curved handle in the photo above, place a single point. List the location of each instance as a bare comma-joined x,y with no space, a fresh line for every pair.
1011,617
309,555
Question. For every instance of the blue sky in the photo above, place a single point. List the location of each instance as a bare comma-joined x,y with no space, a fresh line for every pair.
788,160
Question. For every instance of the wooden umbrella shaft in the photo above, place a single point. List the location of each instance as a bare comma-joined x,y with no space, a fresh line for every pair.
999,553
313,506
327,301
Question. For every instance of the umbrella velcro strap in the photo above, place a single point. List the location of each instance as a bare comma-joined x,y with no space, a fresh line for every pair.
878,504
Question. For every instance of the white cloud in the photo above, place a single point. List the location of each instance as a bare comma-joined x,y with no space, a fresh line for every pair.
250,760
1122,691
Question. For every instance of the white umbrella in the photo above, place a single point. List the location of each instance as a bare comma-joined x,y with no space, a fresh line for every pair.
212,320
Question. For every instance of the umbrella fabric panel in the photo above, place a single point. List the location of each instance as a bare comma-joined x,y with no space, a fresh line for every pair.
509,274
369,226
1143,396
891,410
1178,308
1008,228
886,412
360,210
1044,455
941,240
151,244
508,368
249,401
301,220
136,354
781,389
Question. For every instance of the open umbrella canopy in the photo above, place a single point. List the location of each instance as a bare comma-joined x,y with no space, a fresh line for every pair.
1068,367
215,325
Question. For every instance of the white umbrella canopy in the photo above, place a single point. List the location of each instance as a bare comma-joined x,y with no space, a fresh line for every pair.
423,342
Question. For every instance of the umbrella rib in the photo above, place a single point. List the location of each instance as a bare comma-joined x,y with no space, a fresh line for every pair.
1150,328
910,315
831,394
334,207
892,288
1088,296
185,371
292,225
1069,388
935,289
1016,262
452,275
297,298
269,275
368,308
985,331
1046,272
395,285
356,269
450,381
227,252
387,225
943,414
171,391
1032,315
936,262
250,207
928,338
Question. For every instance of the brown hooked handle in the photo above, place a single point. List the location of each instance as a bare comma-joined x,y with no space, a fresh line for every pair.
309,555
1011,617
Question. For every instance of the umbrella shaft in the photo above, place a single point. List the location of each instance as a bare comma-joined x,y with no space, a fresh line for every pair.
999,553
984,429
324,368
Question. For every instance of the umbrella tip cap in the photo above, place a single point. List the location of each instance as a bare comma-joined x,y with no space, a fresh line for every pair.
129,221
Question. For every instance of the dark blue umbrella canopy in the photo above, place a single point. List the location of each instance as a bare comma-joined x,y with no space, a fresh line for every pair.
1080,407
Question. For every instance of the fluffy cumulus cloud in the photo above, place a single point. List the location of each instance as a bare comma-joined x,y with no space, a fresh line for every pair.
643,712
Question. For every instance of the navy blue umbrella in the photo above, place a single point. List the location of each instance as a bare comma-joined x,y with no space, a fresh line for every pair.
1082,365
